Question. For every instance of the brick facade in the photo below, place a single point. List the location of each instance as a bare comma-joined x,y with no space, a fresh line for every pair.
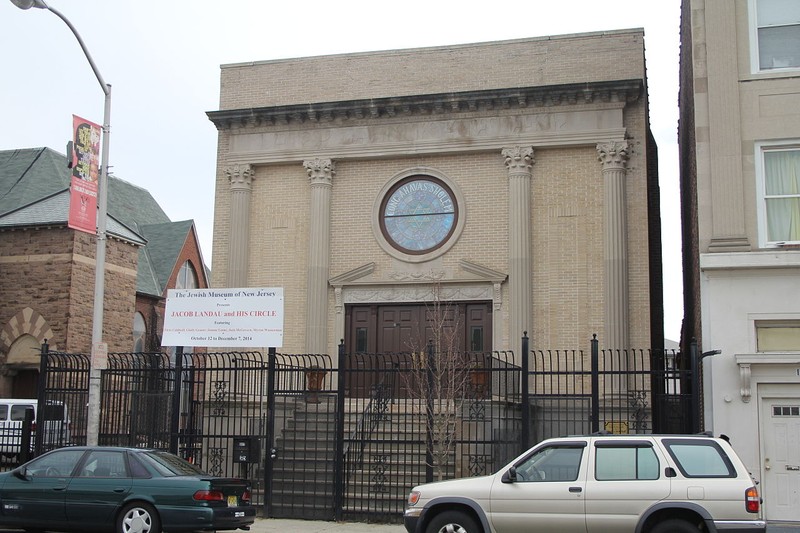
51,271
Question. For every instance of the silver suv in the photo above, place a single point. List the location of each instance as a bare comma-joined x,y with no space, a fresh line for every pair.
598,484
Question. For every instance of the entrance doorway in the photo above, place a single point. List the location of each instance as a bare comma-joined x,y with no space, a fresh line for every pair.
26,383
781,421
409,327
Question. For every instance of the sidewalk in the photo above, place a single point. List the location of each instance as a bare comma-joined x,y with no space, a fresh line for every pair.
277,525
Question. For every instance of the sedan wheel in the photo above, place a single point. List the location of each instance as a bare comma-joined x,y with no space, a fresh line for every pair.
138,517
453,522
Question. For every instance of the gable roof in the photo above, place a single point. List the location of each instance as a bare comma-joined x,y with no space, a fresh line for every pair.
164,245
34,191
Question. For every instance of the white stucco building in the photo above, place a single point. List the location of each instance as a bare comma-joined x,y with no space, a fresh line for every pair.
740,157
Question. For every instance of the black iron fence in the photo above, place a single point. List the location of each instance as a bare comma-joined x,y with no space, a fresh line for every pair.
346,437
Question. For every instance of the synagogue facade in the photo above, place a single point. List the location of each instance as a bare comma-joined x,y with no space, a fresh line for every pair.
513,181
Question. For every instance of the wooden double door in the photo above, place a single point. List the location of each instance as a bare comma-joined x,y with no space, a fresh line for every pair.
464,326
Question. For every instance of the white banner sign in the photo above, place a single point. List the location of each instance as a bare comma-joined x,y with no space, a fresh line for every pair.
232,318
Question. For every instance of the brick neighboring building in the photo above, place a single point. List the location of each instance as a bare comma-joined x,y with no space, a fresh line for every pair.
47,271
533,156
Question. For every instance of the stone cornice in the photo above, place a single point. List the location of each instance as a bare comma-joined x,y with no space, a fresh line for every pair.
622,91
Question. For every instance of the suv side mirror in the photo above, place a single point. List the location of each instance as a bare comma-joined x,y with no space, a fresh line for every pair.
510,476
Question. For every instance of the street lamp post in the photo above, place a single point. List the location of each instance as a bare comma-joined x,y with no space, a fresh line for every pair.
99,349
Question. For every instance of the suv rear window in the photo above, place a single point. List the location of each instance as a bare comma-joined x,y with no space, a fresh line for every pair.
621,462
700,458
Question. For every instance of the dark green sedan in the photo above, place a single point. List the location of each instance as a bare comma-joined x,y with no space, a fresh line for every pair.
126,490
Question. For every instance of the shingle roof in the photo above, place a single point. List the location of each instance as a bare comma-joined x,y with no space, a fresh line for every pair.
27,176
34,191
164,244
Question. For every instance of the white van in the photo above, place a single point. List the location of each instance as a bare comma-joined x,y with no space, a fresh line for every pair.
55,418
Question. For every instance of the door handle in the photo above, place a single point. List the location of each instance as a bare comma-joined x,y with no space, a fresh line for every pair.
119,490
575,489
792,467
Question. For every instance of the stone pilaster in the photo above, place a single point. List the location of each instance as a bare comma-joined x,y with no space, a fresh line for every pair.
518,161
320,176
614,157
241,178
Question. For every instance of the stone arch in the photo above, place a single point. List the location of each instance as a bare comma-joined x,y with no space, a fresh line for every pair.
25,352
26,322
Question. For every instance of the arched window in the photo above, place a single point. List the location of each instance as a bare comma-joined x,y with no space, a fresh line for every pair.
187,277
139,333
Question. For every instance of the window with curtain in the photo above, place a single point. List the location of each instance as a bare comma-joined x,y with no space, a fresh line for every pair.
778,33
782,195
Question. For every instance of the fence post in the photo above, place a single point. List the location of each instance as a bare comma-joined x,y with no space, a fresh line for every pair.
25,437
41,398
694,360
174,423
697,366
431,362
595,385
338,463
526,404
270,458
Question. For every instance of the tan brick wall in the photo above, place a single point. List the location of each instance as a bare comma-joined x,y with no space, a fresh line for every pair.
279,242
521,63
566,188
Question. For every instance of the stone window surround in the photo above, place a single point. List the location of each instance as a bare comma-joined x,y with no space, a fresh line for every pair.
460,201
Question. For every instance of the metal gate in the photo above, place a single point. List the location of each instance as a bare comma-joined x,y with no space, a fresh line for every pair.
347,438
209,408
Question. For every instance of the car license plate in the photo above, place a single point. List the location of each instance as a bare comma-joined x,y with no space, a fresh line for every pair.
232,501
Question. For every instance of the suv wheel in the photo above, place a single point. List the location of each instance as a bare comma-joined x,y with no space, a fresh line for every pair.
675,526
453,522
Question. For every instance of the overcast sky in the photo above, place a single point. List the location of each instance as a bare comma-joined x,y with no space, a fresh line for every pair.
162,59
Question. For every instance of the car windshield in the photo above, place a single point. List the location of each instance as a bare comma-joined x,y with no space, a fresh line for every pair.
169,465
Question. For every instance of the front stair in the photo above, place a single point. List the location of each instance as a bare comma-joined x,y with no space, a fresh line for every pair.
385,457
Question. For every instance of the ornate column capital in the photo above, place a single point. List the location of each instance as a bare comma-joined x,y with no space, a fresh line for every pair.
613,155
240,176
518,158
320,171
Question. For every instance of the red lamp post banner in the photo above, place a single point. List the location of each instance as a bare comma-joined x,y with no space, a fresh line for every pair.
85,164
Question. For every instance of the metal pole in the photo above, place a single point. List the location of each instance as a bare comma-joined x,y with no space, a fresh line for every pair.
338,463
595,384
695,365
177,387
99,349
526,402
272,451
41,399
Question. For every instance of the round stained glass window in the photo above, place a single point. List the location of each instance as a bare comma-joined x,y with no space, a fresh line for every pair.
418,214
